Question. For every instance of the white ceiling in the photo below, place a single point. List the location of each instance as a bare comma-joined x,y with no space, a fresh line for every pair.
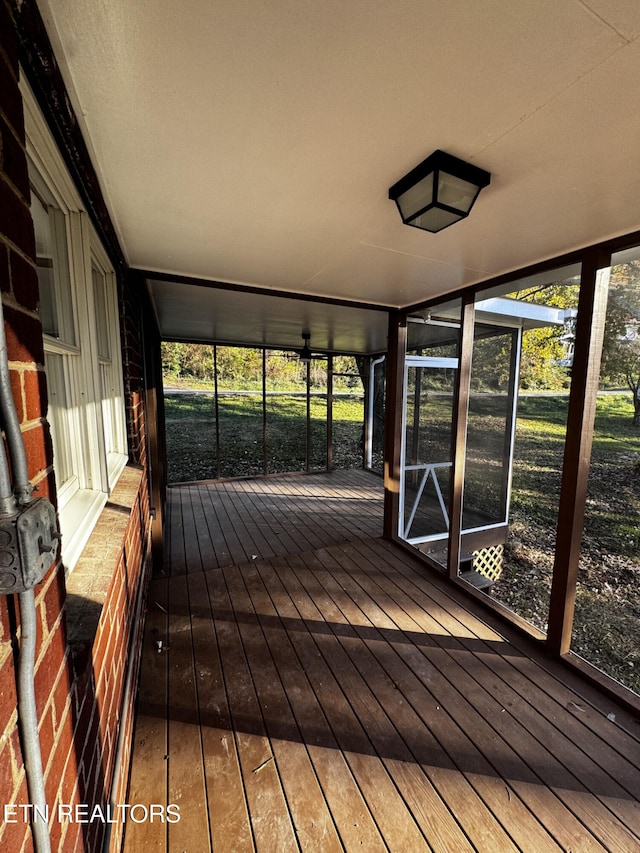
254,142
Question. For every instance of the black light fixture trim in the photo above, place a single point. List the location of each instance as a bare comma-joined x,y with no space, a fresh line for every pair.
445,189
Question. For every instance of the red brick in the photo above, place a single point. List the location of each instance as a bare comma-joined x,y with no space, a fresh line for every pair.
54,598
54,775
61,694
94,835
47,735
24,282
16,390
6,773
11,98
74,839
100,648
13,161
15,217
5,631
93,740
8,40
5,277
55,836
46,488
8,696
37,445
63,757
13,837
49,667
17,749
95,776
70,778
35,392
82,721
24,335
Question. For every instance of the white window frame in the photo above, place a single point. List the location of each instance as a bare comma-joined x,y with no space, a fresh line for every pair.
97,454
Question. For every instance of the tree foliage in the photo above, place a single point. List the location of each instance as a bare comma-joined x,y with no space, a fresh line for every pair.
621,350
240,368
543,364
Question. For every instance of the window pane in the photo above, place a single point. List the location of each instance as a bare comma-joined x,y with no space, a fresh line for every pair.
52,263
427,451
489,431
44,263
102,318
606,629
431,373
519,393
58,416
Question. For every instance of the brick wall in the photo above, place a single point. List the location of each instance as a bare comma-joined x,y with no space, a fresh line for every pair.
79,684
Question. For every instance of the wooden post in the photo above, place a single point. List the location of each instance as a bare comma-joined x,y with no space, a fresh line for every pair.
397,345
459,437
329,413
217,408
265,457
415,437
308,434
156,445
592,309
367,428
510,420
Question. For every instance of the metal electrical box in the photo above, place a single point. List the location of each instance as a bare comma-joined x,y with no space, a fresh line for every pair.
28,545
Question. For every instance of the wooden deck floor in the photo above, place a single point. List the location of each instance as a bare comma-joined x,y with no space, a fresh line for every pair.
338,697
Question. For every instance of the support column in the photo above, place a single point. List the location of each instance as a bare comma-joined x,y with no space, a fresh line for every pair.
397,345
459,435
592,309
265,457
329,413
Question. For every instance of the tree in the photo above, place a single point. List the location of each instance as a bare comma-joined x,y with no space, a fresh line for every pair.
543,349
621,347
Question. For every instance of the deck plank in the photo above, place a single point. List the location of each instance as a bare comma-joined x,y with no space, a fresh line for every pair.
187,786
314,826
270,818
148,779
353,819
226,801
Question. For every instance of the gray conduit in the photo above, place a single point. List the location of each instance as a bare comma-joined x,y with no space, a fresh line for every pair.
27,714
7,499
28,719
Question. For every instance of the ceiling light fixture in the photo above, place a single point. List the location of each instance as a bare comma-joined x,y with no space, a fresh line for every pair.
440,191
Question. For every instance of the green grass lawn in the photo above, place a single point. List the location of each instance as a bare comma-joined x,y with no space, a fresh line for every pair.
607,613
607,619
191,435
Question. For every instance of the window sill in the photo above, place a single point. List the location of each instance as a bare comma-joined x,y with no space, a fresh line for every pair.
78,517
89,584
80,513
